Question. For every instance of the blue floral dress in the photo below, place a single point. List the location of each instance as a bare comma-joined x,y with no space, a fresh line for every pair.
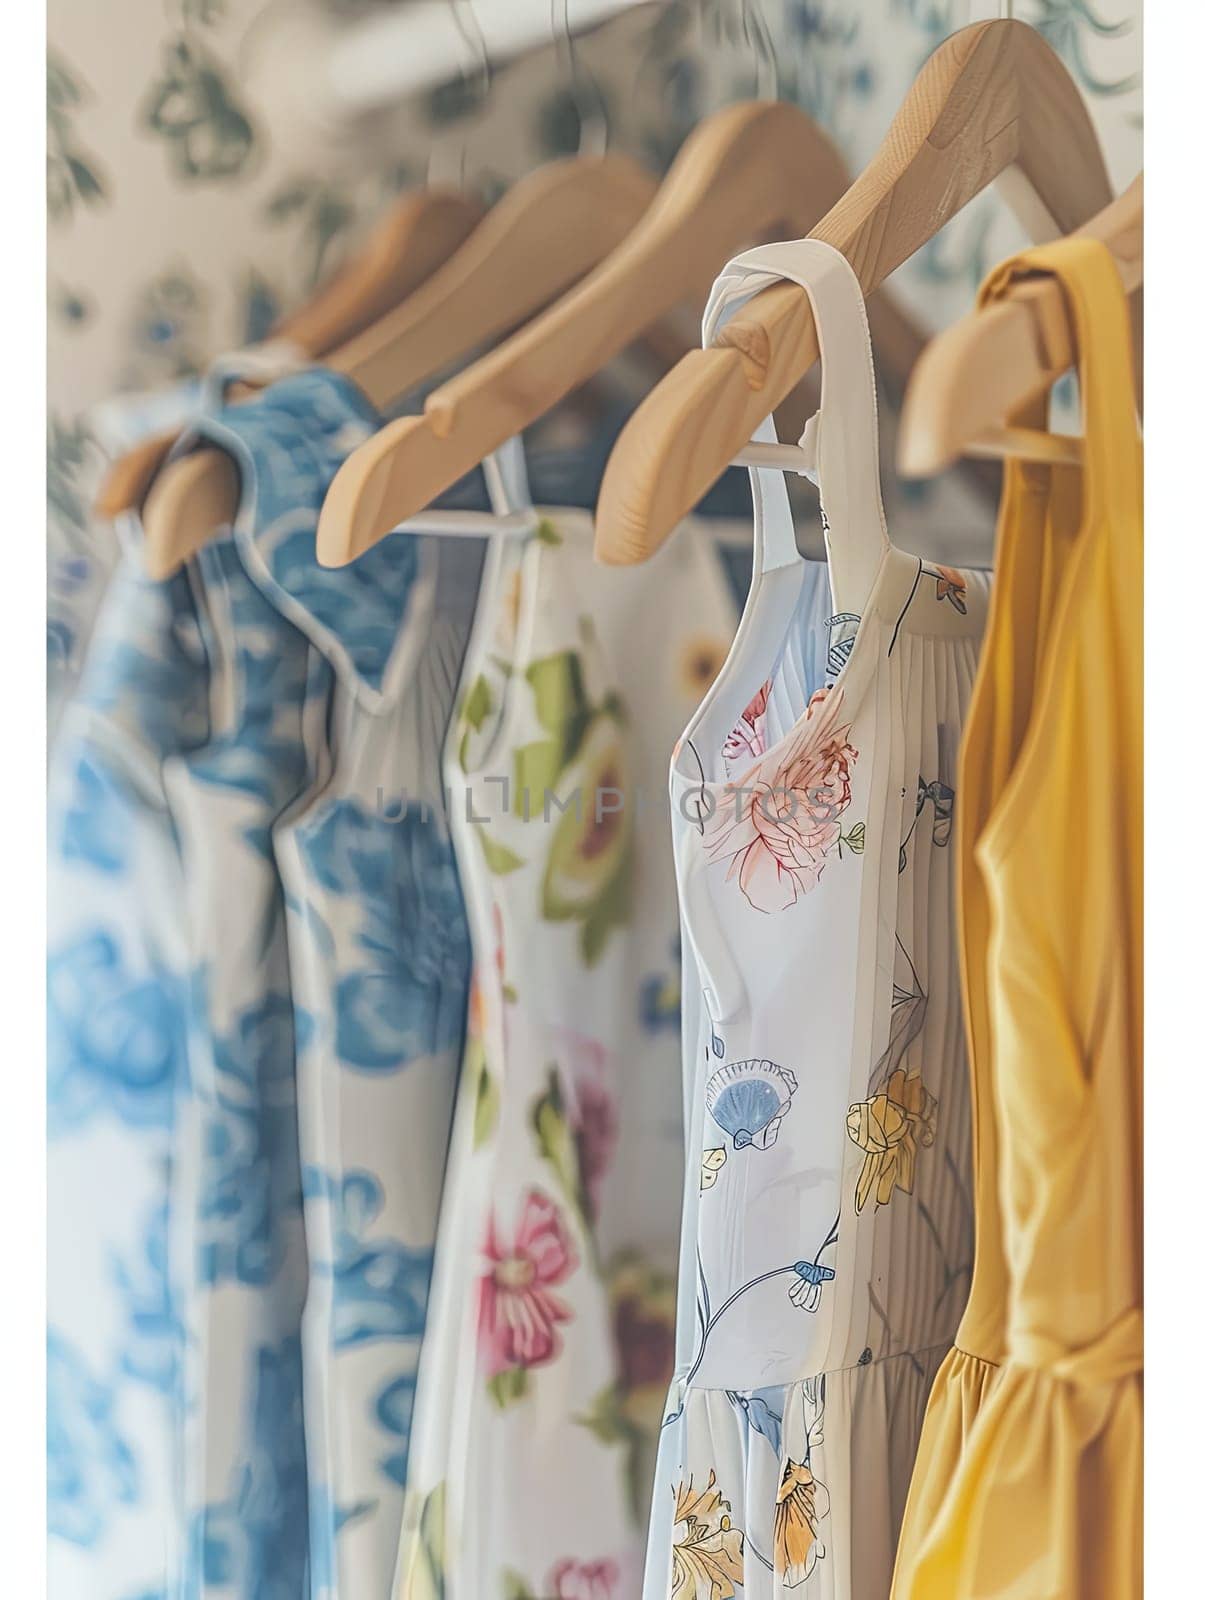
317,991
346,681
117,1070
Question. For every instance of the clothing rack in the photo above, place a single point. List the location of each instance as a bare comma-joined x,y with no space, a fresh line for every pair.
339,74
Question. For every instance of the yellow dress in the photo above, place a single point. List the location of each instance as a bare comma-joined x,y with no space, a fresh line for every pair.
1028,1481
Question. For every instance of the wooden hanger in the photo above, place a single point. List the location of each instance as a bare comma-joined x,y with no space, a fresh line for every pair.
742,174
419,232
998,360
992,96
543,235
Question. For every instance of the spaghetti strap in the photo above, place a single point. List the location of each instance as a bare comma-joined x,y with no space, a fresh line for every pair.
845,430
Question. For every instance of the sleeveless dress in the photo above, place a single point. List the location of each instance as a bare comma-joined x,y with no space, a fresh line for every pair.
326,1004
118,1081
550,1335
827,1235
1029,1476
117,1077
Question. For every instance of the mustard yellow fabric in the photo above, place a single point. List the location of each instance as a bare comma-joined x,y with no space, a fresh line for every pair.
1028,1482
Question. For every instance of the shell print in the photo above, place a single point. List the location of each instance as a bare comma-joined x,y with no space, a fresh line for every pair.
749,1099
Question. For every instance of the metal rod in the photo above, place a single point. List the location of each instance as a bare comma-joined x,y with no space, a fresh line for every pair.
786,457
385,59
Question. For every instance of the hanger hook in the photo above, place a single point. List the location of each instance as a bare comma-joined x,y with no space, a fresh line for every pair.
757,35
464,19
592,118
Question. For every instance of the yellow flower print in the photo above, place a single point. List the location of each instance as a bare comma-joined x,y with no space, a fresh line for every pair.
713,1160
889,1128
708,1550
701,658
802,1503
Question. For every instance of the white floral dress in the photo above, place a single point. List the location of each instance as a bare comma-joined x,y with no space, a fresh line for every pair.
828,1230
550,1333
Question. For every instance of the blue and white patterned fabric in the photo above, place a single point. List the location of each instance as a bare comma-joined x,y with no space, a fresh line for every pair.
82,556
118,1078
334,999
313,985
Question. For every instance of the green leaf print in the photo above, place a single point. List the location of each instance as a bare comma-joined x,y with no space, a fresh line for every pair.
478,703
604,1419
612,909
854,840
562,706
607,1422
485,1115
558,1144
499,858
588,873
505,1388
485,1091
427,1575
537,768
564,709
514,1588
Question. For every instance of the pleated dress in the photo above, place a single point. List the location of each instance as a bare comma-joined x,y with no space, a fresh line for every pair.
827,1236
1029,1478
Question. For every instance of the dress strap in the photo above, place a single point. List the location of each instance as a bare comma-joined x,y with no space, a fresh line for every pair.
1096,298
845,431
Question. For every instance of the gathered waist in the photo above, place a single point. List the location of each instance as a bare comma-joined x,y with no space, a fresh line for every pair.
1114,1354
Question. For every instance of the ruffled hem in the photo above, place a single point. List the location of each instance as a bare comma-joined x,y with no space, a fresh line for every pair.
795,1492
1028,1486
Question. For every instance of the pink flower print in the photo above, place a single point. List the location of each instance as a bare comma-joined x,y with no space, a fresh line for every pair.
583,1580
518,1316
777,828
748,738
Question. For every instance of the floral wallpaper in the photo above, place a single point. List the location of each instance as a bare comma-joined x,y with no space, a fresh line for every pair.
185,213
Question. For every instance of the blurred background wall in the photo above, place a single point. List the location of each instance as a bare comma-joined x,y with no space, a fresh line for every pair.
186,210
